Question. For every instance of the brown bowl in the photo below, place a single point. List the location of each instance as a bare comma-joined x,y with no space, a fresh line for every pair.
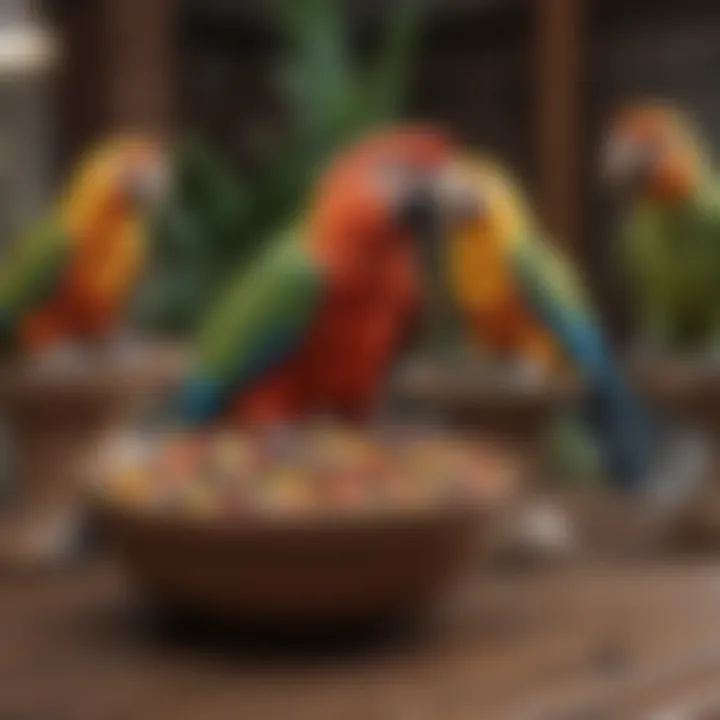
295,573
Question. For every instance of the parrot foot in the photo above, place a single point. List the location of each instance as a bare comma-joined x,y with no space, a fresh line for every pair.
528,373
60,361
511,372
124,350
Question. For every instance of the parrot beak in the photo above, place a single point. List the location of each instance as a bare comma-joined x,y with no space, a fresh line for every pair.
624,166
148,186
437,205
417,211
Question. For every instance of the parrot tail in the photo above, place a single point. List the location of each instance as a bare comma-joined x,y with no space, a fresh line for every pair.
200,401
625,430
642,453
195,404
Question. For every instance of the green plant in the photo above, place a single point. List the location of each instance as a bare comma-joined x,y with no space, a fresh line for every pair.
217,220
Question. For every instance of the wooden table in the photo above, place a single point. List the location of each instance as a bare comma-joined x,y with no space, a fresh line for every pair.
603,642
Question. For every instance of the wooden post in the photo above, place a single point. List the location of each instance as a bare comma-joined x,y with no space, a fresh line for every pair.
118,69
139,42
558,103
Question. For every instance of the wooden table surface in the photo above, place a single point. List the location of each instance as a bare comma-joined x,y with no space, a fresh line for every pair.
576,643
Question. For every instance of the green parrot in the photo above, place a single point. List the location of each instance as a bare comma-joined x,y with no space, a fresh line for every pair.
670,227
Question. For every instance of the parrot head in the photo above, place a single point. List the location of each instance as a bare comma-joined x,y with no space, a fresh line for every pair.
651,151
492,207
126,175
384,189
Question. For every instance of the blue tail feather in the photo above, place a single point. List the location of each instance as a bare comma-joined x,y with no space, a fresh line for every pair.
201,400
624,428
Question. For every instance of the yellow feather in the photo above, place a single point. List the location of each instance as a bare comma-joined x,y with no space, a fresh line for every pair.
480,266
484,247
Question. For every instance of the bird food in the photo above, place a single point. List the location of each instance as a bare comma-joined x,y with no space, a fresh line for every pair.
315,471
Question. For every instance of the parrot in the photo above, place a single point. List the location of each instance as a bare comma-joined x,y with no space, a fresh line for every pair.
518,292
67,280
69,277
500,319
669,234
314,324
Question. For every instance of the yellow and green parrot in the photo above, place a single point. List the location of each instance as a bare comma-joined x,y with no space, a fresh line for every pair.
70,278
670,225
521,297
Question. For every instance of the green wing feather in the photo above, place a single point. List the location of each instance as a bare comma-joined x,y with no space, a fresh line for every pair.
555,293
548,278
261,320
31,272
672,254
645,236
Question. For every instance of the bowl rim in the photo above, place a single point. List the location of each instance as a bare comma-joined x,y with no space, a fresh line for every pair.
390,520
383,517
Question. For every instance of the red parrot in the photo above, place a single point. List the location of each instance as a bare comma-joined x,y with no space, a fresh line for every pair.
315,324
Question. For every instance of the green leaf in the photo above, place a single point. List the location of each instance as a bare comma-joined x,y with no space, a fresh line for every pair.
218,221
388,78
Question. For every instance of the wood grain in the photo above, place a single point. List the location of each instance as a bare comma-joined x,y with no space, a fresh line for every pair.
602,642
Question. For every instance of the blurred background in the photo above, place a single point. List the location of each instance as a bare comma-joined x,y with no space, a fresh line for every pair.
255,98
531,81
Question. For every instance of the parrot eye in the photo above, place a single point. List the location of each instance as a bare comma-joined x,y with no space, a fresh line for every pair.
409,195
